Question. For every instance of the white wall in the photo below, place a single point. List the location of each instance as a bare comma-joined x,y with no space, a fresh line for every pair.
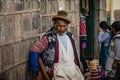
116,4
111,6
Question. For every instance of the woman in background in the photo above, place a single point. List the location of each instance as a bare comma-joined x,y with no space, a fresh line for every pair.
104,37
116,38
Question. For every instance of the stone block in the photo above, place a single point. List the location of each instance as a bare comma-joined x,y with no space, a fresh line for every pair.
54,6
13,74
72,5
36,4
26,22
36,24
27,48
2,5
28,4
22,50
29,44
77,19
26,25
9,6
45,22
97,17
67,8
36,20
97,4
16,53
103,15
117,15
21,72
102,4
72,17
2,35
49,7
32,42
19,5
43,5
18,27
7,56
9,28
37,39
74,31
51,22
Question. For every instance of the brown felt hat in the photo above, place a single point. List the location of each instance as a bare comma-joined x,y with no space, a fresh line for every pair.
62,15
84,11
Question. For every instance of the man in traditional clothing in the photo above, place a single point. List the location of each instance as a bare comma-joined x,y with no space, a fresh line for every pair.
57,51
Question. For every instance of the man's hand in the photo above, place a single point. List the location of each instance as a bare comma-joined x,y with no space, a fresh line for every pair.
100,29
114,65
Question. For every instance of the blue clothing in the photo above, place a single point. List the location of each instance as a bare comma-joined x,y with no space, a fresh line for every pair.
105,37
105,43
63,39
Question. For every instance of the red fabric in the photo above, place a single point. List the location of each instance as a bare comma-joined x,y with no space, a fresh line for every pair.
57,52
41,45
82,28
52,72
75,61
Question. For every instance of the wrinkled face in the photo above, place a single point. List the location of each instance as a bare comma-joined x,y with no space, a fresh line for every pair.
60,27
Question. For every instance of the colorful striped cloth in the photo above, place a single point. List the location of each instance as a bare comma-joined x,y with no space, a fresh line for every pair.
41,45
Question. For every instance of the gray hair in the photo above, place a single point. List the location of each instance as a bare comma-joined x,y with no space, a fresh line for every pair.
56,21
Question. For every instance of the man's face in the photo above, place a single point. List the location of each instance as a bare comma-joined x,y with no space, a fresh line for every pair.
113,30
61,27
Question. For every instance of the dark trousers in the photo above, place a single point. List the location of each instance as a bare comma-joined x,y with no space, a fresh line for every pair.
117,76
82,50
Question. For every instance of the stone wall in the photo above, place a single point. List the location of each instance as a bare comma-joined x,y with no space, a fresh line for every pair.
117,15
100,15
22,22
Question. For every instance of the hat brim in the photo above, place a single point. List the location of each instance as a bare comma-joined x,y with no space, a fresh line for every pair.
61,18
85,14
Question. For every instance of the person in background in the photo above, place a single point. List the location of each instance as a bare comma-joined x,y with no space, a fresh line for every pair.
83,37
104,37
58,52
116,38
109,72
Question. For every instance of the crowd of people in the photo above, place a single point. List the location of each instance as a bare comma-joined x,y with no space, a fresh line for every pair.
109,37
55,56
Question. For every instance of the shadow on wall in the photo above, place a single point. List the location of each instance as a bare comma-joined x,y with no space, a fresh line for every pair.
29,75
